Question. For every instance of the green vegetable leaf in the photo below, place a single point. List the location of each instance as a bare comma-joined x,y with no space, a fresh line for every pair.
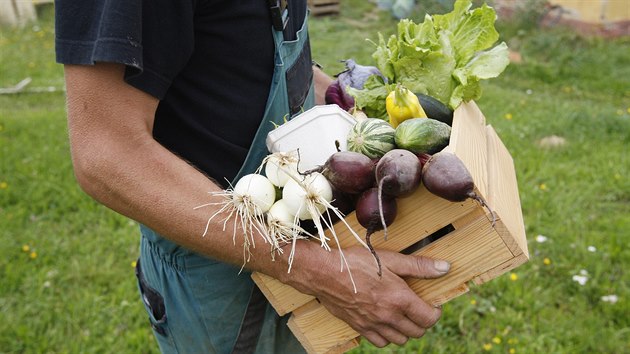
371,99
431,75
486,65
470,31
383,56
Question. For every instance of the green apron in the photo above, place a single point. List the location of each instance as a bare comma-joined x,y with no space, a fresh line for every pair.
199,305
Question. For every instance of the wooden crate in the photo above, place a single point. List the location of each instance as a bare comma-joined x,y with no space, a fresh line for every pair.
477,250
323,7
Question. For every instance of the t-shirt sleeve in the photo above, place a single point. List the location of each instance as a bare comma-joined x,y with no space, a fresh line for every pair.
153,38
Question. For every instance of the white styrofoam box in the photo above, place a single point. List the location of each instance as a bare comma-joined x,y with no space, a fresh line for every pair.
314,133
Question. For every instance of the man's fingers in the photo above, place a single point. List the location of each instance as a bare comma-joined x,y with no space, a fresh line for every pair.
400,335
424,315
376,339
386,335
394,336
409,328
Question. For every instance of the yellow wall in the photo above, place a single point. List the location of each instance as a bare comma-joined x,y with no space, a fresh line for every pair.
596,11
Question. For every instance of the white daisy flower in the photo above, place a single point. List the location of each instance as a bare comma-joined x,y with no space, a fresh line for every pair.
610,298
581,279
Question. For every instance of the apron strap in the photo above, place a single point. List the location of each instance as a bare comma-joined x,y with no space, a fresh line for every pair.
253,320
252,323
254,317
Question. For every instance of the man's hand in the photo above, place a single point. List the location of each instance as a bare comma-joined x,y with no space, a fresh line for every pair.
384,310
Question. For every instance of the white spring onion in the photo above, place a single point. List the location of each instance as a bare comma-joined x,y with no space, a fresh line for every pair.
279,165
283,227
249,200
302,196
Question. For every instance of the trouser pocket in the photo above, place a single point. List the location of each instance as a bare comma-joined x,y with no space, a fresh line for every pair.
153,303
299,77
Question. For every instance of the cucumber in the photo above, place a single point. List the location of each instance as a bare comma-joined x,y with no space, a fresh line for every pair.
435,109
372,137
422,135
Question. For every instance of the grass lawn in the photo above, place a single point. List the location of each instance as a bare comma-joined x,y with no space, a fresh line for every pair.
66,275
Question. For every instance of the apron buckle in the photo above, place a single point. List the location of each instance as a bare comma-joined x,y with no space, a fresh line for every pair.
279,14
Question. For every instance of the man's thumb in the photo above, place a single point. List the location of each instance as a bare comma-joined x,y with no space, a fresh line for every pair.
419,267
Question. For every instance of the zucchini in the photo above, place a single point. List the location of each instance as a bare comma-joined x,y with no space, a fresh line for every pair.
435,109
422,135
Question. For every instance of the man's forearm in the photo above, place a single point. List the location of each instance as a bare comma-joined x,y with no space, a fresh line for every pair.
321,81
119,164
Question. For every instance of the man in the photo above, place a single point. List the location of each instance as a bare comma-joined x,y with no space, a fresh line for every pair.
169,99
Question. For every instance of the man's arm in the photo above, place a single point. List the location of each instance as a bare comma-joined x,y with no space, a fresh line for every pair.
321,80
118,163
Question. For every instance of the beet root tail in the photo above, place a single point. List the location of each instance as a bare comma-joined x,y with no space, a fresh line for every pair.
373,251
483,203
318,169
380,208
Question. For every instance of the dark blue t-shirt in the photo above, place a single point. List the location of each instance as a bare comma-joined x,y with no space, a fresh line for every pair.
210,63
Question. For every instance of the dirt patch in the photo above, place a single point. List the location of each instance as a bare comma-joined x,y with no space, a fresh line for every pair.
556,15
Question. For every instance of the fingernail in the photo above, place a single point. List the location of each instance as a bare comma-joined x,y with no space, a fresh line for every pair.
441,266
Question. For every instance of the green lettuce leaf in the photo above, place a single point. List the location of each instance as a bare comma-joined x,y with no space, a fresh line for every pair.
469,31
371,99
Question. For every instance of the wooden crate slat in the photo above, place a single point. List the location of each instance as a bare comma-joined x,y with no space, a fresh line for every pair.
468,218
472,250
325,9
419,215
282,297
321,332
501,269
322,7
468,142
323,2
503,192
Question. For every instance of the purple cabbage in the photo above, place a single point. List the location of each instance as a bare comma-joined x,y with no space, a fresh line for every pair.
353,76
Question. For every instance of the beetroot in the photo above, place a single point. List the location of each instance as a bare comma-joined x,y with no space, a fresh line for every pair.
398,173
374,214
424,157
335,94
446,176
348,172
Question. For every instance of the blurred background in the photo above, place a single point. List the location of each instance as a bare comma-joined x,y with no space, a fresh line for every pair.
562,108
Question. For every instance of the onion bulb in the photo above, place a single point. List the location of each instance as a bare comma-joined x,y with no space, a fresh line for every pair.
279,166
279,212
256,191
309,198
284,228
247,203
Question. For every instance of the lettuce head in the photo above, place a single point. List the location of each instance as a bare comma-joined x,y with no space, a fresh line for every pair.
445,56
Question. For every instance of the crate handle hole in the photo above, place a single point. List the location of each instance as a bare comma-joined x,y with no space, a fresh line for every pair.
429,239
